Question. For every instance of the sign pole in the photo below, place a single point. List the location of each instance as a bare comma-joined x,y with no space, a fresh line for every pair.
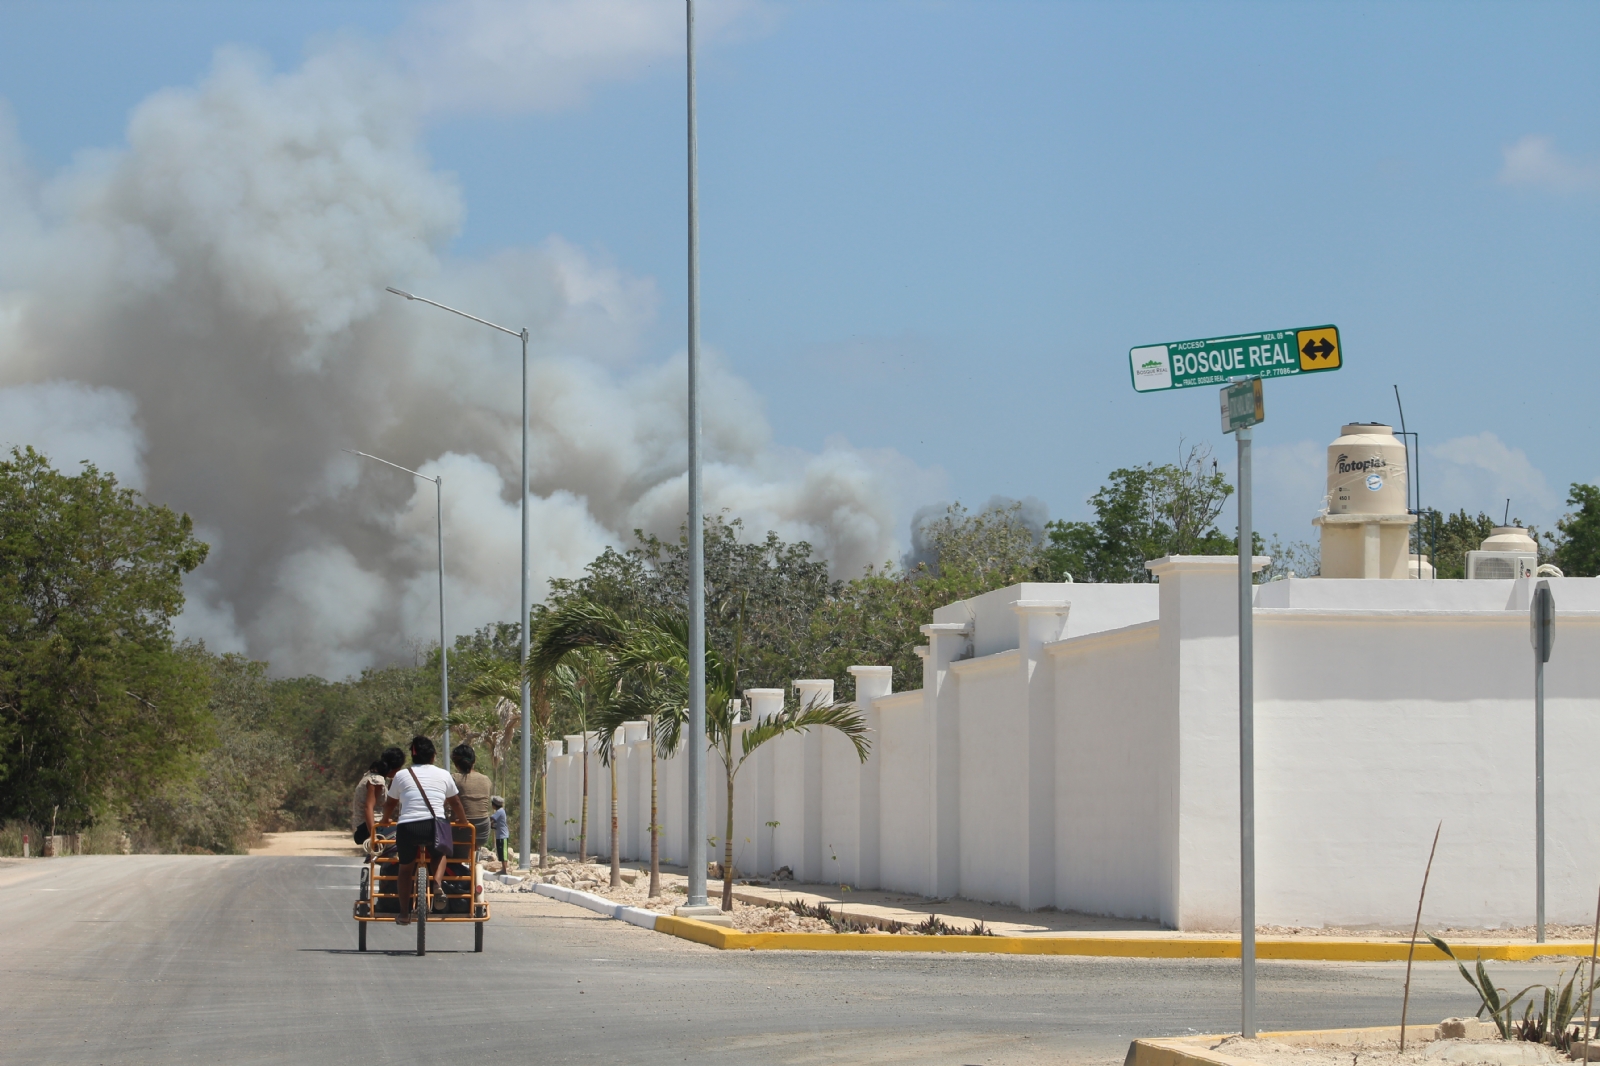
1542,634
1247,747
1538,777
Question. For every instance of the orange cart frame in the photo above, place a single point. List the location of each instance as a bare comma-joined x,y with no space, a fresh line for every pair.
378,898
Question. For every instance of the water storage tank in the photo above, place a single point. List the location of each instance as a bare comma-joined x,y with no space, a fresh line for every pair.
1367,471
1366,530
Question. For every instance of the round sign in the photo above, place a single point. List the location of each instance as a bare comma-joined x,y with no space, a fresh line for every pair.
1374,482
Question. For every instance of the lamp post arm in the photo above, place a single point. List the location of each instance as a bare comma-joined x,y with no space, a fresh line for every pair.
386,462
453,310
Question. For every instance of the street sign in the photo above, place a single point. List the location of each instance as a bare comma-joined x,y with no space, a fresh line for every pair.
1542,621
1212,361
1242,405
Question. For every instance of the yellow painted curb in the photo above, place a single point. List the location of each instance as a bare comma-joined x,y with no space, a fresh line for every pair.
1309,950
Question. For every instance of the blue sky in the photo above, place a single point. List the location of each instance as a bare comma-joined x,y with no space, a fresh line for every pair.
938,227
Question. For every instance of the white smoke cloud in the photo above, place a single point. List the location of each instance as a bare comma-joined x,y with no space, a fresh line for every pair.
72,423
1482,472
1535,162
205,309
542,55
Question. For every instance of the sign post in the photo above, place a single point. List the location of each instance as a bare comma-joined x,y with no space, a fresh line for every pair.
1240,362
1542,634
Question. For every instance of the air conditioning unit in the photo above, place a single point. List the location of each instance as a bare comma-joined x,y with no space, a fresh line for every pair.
1501,566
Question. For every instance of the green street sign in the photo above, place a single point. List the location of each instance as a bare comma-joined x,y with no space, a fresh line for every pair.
1242,405
1217,360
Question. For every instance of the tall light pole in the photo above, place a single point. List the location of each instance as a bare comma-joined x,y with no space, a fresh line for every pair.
444,646
525,819
697,560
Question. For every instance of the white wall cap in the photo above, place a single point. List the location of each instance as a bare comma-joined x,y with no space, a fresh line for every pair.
870,671
1172,564
922,651
936,628
775,693
1041,606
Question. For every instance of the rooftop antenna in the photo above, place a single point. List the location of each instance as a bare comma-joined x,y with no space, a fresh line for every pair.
1506,521
1413,481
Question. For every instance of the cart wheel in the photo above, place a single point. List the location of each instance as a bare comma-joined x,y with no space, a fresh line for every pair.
361,936
477,936
422,908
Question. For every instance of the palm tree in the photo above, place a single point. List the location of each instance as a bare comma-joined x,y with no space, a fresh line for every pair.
498,682
668,647
643,689
657,649
584,681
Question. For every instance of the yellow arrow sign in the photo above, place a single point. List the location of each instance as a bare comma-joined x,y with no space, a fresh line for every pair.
1319,348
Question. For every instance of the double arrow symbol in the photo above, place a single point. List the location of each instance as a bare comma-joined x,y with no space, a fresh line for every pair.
1318,348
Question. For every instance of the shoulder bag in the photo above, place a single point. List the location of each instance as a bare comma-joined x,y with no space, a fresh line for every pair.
444,838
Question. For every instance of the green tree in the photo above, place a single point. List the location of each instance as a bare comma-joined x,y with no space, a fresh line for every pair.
1142,513
1448,538
784,584
1577,548
96,704
241,778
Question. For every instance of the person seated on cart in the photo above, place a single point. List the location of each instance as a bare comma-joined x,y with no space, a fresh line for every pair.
476,790
419,793
367,804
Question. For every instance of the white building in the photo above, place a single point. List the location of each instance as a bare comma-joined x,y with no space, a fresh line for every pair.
1076,746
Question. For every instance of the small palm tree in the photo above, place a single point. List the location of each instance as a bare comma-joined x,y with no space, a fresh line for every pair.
643,689
662,646
498,682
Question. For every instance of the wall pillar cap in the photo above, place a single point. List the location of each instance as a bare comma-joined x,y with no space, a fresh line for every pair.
1041,606
778,692
922,651
1180,564
870,671
933,629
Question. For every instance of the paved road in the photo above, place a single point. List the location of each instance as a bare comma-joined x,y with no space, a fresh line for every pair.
173,959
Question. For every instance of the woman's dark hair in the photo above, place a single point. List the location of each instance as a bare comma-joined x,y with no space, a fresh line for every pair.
393,759
464,757
421,750
376,767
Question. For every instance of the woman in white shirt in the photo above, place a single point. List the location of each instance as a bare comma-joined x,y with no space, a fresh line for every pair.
418,794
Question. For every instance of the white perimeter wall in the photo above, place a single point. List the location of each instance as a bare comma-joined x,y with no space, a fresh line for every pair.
1382,708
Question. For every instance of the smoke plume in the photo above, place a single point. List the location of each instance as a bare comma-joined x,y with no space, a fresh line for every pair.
203,311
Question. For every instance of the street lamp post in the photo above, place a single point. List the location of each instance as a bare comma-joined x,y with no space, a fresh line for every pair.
697,577
525,828
444,646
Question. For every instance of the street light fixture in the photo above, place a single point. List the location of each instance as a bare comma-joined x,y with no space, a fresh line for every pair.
525,829
444,647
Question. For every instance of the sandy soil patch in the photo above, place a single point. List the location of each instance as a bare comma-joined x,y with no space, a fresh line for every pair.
308,842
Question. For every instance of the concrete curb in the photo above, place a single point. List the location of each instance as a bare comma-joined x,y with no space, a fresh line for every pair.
1196,1050
1100,947
1309,950
600,905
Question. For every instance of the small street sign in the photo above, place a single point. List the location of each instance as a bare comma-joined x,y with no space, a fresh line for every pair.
1242,405
1542,621
1215,360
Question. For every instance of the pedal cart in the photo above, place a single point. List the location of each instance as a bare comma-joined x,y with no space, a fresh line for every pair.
379,899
